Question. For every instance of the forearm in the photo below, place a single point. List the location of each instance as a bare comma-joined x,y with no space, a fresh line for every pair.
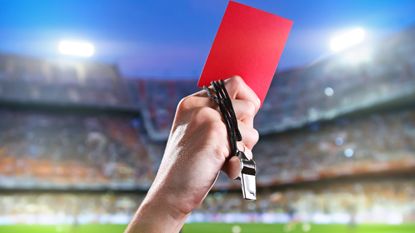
196,151
155,216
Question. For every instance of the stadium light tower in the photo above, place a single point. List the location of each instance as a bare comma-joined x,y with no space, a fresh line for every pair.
347,39
76,48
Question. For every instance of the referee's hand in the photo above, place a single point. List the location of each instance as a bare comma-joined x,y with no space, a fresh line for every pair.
196,151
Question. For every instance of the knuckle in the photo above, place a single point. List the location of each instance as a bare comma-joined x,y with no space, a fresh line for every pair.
257,103
217,135
185,103
217,128
238,82
221,152
204,113
237,79
250,109
255,135
252,138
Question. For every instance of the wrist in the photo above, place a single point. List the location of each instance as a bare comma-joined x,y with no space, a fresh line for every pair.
156,215
166,204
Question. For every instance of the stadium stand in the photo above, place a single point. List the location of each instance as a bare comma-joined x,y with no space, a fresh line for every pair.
159,99
367,75
32,208
386,201
339,117
72,151
25,79
355,145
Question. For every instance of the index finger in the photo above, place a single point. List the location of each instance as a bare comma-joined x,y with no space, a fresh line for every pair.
238,89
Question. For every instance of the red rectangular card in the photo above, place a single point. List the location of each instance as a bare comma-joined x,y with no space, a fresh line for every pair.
249,43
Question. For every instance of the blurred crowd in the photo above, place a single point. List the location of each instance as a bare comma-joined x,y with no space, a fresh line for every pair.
387,201
66,150
26,79
356,79
353,145
31,208
311,123
52,148
158,100
368,75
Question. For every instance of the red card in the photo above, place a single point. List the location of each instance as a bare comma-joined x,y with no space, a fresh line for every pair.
249,43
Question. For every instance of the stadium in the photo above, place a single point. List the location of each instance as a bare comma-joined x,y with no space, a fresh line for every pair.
80,145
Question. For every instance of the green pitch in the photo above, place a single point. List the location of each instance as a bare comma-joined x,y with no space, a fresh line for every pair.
220,228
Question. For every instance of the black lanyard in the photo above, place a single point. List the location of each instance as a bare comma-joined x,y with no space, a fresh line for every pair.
220,95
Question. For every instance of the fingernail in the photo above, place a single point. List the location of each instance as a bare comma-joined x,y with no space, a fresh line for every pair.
248,153
258,101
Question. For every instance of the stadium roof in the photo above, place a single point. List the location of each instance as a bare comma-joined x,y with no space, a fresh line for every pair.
172,38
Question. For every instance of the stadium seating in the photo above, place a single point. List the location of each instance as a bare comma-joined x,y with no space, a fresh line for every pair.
110,150
313,123
72,151
387,201
367,75
25,79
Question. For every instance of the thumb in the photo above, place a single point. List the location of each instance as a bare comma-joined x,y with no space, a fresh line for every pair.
232,167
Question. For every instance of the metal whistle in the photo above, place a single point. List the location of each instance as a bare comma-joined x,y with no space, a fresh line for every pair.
247,173
247,176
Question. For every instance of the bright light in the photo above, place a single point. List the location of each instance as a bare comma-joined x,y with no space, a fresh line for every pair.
328,91
76,48
347,39
236,229
306,227
349,152
357,56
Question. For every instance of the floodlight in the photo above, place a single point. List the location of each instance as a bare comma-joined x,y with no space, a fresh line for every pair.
347,39
76,48
328,91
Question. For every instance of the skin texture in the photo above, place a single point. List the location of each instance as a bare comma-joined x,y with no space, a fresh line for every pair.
196,151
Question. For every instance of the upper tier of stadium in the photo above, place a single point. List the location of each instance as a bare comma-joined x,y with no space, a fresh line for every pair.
80,125
371,74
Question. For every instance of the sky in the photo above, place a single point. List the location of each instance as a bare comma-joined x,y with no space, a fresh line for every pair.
171,39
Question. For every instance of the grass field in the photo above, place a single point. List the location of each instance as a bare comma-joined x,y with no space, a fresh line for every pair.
219,228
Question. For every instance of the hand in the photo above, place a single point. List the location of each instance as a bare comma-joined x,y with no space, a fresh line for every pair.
196,151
